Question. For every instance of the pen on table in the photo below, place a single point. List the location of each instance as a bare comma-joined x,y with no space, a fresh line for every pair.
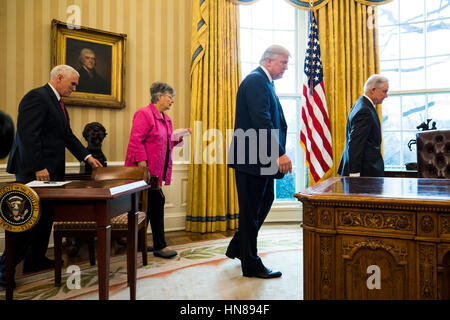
49,182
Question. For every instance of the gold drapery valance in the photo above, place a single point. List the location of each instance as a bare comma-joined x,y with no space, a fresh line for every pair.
315,4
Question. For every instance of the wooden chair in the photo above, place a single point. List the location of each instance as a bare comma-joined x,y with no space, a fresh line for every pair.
119,225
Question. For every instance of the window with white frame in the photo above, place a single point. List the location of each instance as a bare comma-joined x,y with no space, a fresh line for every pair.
262,24
415,56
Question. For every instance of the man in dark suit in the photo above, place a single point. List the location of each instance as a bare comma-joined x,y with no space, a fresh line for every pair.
90,81
258,155
38,153
362,152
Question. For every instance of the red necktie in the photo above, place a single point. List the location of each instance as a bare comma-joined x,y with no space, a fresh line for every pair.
64,111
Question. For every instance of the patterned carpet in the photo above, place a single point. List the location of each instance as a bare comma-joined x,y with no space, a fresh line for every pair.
201,271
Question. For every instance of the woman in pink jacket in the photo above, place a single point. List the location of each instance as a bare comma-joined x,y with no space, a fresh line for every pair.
151,143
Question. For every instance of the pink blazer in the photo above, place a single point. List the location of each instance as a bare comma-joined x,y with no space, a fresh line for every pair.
148,142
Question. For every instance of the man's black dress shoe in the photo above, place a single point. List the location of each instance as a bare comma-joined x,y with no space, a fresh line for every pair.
266,274
45,264
165,254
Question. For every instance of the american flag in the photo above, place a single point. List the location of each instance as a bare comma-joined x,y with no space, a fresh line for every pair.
315,136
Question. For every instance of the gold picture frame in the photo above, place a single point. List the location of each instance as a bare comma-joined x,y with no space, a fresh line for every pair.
99,58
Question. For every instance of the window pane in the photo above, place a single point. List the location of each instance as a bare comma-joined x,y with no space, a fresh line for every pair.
292,143
246,45
413,111
391,151
284,15
262,14
436,32
439,110
285,188
246,69
437,9
412,74
388,14
245,16
391,113
388,42
409,155
412,43
390,69
290,113
438,71
411,10
422,62
262,39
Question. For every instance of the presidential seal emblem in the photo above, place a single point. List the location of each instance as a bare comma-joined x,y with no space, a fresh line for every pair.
19,207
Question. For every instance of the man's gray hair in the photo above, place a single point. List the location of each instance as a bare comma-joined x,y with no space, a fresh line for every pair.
160,88
273,51
63,69
83,52
374,81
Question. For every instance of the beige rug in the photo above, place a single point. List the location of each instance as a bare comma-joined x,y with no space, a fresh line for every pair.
201,271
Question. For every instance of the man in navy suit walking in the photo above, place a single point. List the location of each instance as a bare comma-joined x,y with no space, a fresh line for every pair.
362,152
258,155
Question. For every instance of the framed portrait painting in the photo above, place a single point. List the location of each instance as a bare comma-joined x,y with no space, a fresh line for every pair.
98,56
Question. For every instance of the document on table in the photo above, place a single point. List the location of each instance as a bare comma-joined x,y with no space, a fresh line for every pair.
37,183
126,187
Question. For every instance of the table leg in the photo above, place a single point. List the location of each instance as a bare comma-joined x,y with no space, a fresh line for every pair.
104,253
9,268
58,254
132,252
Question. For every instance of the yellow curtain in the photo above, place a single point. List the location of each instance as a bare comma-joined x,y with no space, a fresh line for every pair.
215,76
349,51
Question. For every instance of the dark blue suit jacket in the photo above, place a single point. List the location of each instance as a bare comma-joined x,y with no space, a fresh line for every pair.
42,136
362,152
255,146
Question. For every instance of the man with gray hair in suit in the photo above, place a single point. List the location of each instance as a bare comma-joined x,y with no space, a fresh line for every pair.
258,156
38,153
362,152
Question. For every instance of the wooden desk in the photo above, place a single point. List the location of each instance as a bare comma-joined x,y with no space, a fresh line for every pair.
92,201
401,225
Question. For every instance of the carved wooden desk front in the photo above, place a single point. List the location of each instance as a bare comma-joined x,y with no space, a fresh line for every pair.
376,238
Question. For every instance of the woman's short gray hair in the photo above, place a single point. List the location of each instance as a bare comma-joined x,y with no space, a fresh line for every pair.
63,69
374,81
160,88
272,51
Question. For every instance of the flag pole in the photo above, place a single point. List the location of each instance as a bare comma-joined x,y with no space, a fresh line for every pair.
311,82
